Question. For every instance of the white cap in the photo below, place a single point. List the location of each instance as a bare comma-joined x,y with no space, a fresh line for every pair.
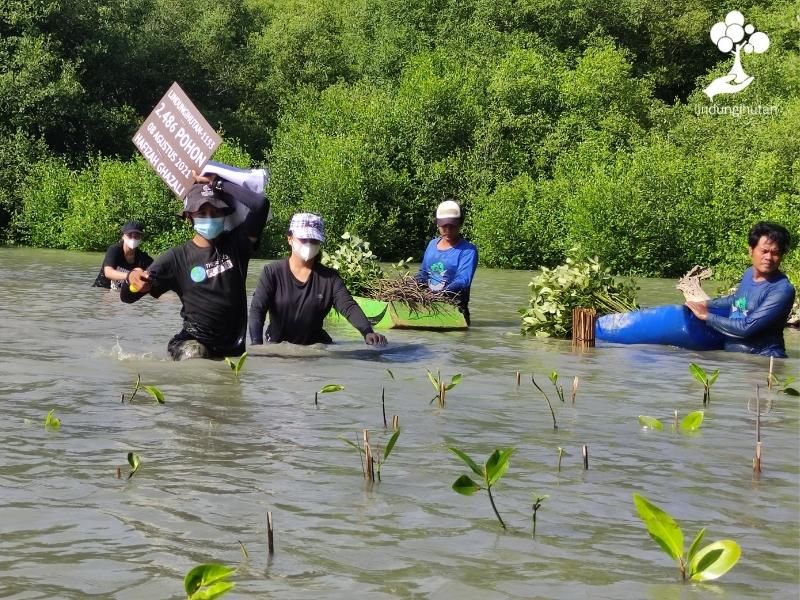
448,213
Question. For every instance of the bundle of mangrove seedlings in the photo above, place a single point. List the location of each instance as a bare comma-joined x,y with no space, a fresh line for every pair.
580,283
418,296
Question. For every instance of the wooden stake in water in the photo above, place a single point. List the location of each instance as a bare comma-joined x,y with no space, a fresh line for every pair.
119,473
574,388
370,461
675,423
757,457
383,405
316,401
396,422
769,377
519,375
585,451
270,540
583,323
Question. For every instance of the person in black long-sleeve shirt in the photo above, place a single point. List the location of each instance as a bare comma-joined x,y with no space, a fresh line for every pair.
208,272
299,292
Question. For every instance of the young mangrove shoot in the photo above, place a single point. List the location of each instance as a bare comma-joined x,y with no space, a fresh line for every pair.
208,581
327,389
711,562
236,365
441,387
377,458
51,421
135,389
706,380
688,424
494,468
134,461
537,504
552,412
559,388
785,386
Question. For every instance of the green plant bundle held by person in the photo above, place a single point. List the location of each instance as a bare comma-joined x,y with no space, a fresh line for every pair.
450,261
298,293
758,310
122,257
209,271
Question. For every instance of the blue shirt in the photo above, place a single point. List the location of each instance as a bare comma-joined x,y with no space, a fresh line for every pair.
450,270
758,313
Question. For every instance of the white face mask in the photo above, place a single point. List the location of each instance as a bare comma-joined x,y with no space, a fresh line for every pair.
305,251
132,243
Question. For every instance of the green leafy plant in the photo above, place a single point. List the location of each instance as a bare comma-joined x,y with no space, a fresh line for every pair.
379,458
134,461
208,581
559,388
706,380
785,386
711,562
51,421
236,366
156,393
554,293
330,388
537,504
494,468
441,387
357,265
689,423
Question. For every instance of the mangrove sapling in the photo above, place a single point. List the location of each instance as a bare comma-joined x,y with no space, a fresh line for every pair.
537,504
208,581
495,467
156,393
328,389
441,387
51,421
244,550
706,380
378,458
134,461
559,388
785,386
711,562
236,366
688,424
135,389
552,412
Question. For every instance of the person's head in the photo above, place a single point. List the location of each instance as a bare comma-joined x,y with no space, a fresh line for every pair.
306,234
206,209
449,219
132,233
768,243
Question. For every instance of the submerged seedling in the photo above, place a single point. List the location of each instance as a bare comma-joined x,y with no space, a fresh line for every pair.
537,504
711,562
373,460
688,424
552,412
785,386
51,421
495,467
208,581
134,461
330,388
236,366
441,387
706,380
559,388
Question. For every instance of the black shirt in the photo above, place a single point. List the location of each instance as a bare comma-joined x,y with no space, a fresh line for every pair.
115,258
296,309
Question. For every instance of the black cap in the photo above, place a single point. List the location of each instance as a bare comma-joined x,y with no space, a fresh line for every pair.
203,193
132,227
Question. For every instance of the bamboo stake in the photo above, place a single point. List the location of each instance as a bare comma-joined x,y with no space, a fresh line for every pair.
119,473
574,388
583,323
560,454
396,422
585,451
316,401
676,420
441,394
518,378
757,457
769,377
270,540
383,405
370,469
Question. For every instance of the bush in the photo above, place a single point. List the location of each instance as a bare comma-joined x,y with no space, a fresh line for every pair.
45,200
357,265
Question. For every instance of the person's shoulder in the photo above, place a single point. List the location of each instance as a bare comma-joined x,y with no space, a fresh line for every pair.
325,271
465,244
276,266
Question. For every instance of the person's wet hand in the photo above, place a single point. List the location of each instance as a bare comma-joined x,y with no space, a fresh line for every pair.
139,281
699,309
375,339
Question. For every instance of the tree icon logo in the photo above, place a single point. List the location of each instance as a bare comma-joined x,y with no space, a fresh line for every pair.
732,36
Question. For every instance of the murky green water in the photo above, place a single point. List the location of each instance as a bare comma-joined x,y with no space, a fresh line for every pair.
220,454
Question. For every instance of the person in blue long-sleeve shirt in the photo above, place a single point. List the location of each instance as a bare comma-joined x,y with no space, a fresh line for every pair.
450,261
762,302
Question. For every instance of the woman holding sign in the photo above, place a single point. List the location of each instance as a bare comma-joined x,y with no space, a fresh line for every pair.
209,271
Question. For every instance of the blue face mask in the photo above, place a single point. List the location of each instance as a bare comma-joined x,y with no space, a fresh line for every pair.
209,227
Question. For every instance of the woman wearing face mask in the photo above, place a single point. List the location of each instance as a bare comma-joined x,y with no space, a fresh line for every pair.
299,292
123,257
209,271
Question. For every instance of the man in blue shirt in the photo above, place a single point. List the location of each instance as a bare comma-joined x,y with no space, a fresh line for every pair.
762,302
450,261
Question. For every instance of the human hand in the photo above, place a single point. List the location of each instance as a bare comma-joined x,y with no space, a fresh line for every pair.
139,281
375,339
699,309
199,178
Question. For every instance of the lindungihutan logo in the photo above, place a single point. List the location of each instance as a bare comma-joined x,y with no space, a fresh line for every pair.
733,36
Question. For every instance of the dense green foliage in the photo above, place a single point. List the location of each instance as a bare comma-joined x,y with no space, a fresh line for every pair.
554,123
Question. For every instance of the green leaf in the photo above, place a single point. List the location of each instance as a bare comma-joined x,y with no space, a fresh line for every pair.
213,591
356,446
695,544
454,381
714,560
390,445
240,363
134,460
205,575
713,377
154,392
389,371
434,381
692,421
790,391
497,465
661,526
470,463
698,373
331,387
554,377
465,486
51,421
651,422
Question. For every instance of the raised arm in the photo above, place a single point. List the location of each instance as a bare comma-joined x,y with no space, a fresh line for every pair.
257,204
